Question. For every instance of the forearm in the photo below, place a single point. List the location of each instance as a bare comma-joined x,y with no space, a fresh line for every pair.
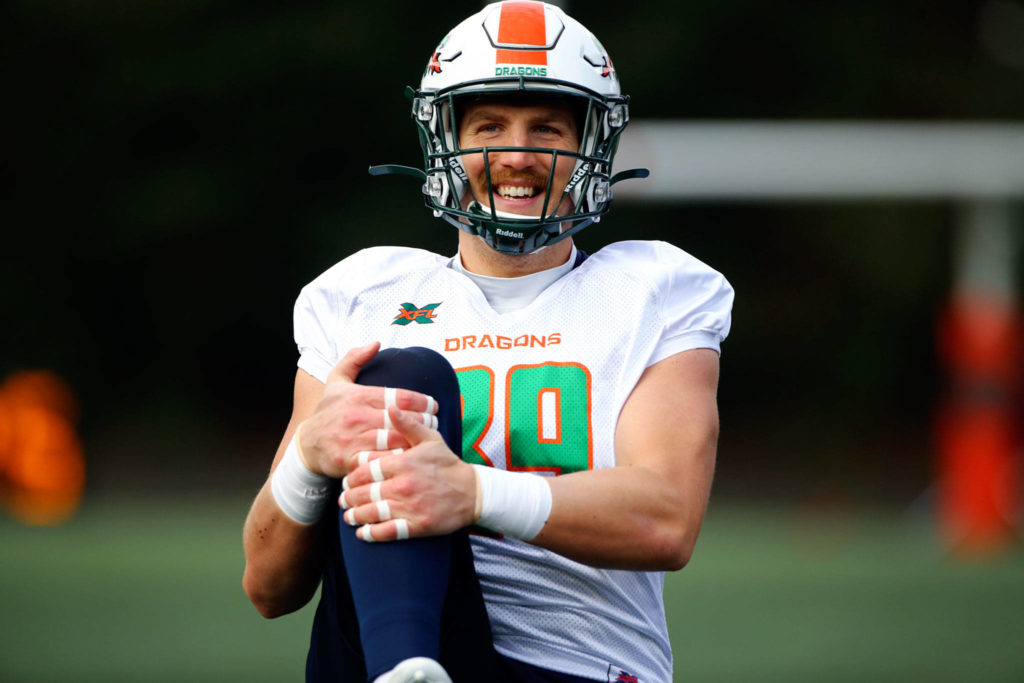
624,518
646,512
282,558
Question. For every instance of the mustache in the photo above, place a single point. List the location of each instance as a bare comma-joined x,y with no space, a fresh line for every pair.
502,176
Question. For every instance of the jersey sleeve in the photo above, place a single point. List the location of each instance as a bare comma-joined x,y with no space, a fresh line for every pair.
695,303
316,317
324,320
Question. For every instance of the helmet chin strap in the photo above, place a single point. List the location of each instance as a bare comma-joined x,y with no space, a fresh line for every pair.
495,234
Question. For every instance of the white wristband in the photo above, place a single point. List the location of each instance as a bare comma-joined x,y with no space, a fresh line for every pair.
301,494
515,504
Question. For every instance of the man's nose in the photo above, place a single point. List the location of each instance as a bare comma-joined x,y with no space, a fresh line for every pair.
518,159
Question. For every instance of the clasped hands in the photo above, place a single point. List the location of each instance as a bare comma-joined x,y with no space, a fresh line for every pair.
399,477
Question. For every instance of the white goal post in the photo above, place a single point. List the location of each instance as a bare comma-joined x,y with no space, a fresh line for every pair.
978,164
759,160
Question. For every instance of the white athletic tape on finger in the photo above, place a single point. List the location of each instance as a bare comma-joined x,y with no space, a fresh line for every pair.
430,404
387,420
396,451
375,491
364,533
429,421
402,526
382,439
344,503
350,517
376,471
345,486
383,510
363,457
390,397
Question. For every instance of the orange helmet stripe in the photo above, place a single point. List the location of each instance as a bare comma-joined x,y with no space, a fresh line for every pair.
522,23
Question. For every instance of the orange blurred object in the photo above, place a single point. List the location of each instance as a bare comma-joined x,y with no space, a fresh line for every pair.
42,466
978,430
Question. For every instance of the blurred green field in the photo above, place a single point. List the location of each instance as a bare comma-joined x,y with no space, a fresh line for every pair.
151,592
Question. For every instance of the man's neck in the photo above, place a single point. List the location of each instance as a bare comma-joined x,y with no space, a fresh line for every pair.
481,259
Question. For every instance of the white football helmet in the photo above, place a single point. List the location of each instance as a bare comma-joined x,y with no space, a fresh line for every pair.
512,49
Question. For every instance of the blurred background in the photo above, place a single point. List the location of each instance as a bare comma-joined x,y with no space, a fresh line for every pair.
175,172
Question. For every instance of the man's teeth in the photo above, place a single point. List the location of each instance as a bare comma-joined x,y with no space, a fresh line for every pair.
516,191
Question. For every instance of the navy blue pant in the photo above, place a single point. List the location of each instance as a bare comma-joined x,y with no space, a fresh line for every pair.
419,597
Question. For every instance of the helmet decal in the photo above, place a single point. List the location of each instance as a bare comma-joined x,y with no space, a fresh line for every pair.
435,64
438,56
518,27
604,64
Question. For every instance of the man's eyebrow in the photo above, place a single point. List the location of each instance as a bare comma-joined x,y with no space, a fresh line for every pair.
562,117
541,117
485,113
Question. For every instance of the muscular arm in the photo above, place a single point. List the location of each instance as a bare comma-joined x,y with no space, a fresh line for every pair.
646,512
282,557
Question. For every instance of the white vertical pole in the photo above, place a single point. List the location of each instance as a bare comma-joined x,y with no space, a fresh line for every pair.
986,251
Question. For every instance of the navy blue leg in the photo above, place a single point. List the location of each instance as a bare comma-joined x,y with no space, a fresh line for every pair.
399,588
419,597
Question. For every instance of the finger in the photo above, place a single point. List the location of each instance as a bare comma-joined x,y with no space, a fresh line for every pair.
406,399
350,498
389,436
372,513
429,420
377,471
415,431
392,530
377,468
352,362
379,440
364,457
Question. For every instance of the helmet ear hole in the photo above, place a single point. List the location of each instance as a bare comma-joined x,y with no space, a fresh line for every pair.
423,109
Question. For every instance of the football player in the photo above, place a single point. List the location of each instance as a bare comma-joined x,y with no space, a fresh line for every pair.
560,405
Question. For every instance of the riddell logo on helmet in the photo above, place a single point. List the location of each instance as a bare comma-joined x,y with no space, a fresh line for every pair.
509,233
454,164
580,173
521,71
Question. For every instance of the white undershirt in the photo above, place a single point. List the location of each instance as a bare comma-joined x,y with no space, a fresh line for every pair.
506,294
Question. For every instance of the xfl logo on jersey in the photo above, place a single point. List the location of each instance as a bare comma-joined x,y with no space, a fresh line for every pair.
408,313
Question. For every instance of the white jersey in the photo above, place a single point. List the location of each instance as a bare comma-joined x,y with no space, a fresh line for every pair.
542,388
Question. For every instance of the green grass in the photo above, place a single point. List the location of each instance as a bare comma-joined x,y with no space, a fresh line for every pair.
151,592
827,596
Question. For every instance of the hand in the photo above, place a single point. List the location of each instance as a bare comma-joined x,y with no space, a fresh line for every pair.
426,485
350,418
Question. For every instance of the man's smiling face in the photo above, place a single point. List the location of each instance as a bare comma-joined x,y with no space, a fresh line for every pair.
519,178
